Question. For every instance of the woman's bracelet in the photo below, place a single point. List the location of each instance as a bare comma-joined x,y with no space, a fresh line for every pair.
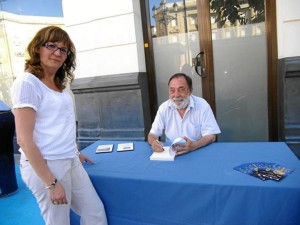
52,185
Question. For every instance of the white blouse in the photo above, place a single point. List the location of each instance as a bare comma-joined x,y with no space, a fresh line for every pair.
55,129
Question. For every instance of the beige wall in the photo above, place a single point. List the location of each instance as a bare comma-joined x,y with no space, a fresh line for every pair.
288,28
107,35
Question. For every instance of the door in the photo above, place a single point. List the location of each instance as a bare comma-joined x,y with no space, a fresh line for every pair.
227,59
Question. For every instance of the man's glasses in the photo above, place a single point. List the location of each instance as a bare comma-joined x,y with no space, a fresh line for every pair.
53,47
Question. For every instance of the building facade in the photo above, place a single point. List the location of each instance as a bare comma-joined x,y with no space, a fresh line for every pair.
113,68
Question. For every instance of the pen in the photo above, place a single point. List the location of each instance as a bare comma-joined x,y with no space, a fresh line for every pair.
160,144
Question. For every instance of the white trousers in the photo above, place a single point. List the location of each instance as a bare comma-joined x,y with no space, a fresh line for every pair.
81,195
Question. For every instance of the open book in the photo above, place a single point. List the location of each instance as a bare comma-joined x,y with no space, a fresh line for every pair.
169,153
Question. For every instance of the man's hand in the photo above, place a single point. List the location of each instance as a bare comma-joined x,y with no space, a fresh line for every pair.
184,148
191,146
157,146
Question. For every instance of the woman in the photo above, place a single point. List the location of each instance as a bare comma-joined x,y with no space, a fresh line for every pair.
8,180
46,133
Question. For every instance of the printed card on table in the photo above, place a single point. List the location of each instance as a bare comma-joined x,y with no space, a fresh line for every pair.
264,170
104,148
125,147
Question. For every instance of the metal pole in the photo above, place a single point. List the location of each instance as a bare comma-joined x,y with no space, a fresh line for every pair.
185,17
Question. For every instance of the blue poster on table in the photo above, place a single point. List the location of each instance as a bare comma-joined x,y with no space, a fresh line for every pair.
264,170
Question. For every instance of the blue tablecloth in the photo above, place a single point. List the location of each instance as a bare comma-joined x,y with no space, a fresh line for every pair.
197,188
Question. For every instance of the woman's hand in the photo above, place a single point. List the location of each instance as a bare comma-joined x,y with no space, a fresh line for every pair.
83,158
58,195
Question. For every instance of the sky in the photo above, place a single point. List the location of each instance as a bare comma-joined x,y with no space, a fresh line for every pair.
51,8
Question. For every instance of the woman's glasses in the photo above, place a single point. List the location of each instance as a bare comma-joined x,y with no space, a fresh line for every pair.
53,47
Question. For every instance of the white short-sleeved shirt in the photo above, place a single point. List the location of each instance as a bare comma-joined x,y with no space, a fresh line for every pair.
55,130
197,122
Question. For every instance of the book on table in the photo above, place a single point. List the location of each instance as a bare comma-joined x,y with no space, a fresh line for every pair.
169,153
125,147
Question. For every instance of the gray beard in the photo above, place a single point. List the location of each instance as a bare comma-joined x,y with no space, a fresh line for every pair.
185,102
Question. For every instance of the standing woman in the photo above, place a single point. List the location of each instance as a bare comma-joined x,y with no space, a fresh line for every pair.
46,132
8,180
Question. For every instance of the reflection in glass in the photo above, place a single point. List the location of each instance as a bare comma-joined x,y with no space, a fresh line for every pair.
240,69
173,17
173,54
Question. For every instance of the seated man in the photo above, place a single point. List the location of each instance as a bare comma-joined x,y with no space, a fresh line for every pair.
183,115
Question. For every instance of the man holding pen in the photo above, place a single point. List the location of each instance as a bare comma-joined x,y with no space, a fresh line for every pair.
183,115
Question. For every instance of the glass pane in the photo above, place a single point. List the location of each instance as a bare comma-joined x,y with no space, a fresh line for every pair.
240,66
175,42
6,75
